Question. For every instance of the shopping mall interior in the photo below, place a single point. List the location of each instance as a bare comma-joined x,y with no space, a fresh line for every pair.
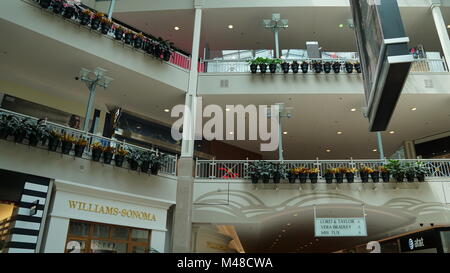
89,162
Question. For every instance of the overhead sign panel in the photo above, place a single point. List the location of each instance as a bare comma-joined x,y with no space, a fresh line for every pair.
384,54
340,227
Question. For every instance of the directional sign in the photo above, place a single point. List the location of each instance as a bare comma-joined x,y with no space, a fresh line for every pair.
340,227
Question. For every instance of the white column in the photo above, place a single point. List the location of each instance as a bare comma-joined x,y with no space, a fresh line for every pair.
158,240
189,123
56,236
441,29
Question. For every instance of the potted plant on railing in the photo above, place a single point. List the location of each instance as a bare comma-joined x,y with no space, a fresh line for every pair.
375,175
138,41
69,10
302,174
329,175
421,171
327,67
396,169
278,172
410,172
96,20
35,132
20,130
313,175
340,172
7,125
357,67
350,174
263,65
317,66
45,4
108,153
145,160
273,64
66,143
57,6
384,173
105,25
292,175
336,67
128,38
285,67
119,156
364,173
157,48
80,145
294,67
349,67
118,32
134,158
265,171
97,150
253,170
304,67
54,139
157,161
254,64
166,50
85,17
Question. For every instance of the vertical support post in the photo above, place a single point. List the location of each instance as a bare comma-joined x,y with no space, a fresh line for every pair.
380,145
111,9
90,106
441,29
280,140
277,44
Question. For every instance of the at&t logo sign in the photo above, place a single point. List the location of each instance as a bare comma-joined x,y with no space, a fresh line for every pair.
415,243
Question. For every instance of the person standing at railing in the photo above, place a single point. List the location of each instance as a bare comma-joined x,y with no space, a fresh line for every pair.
74,122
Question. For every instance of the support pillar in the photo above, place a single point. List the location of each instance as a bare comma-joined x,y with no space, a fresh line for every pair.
182,227
441,29
410,149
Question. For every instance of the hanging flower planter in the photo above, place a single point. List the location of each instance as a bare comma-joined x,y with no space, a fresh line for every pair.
336,67
385,176
265,179
166,55
133,165
118,33
313,175
96,20
85,17
339,177
97,150
105,25
154,169
157,51
285,67
57,6
350,174
329,178
349,67
145,166
294,67
327,67
263,68
255,179
69,11
375,175
108,154
128,37
79,150
45,4
66,143
138,41
33,141
304,66
119,157
253,68
53,141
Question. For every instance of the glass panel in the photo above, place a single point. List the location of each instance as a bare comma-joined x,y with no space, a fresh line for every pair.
76,246
100,231
139,235
139,249
119,233
445,237
79,229
99,246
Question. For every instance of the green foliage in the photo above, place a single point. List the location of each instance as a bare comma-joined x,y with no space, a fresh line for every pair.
420,169
279,169
395,167
259,168
259,60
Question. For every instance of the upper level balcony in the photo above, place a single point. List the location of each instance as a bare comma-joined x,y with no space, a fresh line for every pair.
334,72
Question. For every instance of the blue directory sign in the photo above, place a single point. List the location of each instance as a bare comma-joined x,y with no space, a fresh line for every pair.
340,227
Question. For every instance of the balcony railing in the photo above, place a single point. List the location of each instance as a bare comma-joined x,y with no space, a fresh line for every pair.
236,170
169,165
242,65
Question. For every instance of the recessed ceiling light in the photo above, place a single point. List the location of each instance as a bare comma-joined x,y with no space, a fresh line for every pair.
285,133
413,109
296,214
339,133
176,28
448,26
391,132
227,109
230,26
374,150
231,133
283,230
328,150
167,110
353,109
288,224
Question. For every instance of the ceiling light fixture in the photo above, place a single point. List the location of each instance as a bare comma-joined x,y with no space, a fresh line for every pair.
288,224
231,133
339,133
176,28
230,26
167,110
391,132
413,109
353,109
285,133
328,150
374,150
227,109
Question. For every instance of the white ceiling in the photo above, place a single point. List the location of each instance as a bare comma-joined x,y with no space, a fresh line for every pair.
305,24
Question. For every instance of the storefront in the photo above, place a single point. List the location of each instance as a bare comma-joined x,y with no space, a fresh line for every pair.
86,219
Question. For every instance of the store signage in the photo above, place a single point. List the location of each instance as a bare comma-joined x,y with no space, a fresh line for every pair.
111,210
421,240
340,227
